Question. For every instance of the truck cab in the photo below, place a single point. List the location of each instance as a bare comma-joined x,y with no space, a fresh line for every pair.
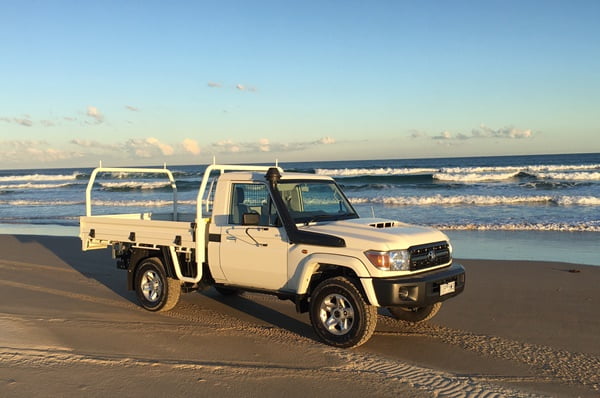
286,233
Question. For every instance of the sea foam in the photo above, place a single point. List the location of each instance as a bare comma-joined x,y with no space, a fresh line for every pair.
479,200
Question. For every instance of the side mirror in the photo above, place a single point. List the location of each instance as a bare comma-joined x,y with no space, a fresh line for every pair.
250,219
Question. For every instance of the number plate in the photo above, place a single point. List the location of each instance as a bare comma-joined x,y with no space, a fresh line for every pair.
447,288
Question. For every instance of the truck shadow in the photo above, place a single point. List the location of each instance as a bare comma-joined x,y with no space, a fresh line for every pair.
63,252
263,313
55,251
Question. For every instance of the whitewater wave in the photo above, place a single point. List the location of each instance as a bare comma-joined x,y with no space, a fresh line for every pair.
29,185
130,185
475,177
477,174
480,200
558,227
41,177
579,176
182,185
54,203
103,203
373,172
529,168
142,203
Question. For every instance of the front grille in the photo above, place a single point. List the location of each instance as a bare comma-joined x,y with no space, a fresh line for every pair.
429,255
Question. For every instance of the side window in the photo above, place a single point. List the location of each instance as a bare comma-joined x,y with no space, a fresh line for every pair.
250,198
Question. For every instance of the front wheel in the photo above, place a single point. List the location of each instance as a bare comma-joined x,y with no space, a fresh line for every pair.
154,289
415,314
339,314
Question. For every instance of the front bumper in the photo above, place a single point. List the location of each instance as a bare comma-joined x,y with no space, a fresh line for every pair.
419,290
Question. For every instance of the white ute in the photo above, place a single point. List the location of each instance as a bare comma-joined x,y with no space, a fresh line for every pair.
292,235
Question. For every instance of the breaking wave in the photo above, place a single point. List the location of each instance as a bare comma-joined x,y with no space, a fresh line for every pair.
17,202
142,203
477,177
558,227
480,200
387,171
30,185
126,186
469,174
42,177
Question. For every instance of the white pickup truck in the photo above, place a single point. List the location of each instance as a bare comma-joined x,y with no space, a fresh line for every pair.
292,235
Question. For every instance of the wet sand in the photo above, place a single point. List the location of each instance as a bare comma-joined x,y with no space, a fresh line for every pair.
68,327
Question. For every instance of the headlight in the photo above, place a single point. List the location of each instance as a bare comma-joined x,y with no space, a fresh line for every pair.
394,260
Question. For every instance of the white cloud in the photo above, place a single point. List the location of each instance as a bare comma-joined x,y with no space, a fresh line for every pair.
22,151
242,87
165,149
446,135
95,114
481,133
148,147
223,143
191,146
90,144
505,132
23,121
238,87
417,134
264,145
18,151
326,141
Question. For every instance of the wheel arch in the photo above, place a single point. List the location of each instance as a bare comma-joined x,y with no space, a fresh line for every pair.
315,268
138,256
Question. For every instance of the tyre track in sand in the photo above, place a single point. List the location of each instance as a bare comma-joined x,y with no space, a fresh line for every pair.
435,382
570,367
567,366
352,364
355,365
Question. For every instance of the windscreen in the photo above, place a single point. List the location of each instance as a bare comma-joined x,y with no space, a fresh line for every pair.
312,201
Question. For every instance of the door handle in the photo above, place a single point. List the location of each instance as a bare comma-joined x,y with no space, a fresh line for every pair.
231,237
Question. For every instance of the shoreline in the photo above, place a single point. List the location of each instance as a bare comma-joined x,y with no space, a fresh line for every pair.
553,246
515,245
519,329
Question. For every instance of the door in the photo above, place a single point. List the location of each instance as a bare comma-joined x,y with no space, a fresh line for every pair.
253,255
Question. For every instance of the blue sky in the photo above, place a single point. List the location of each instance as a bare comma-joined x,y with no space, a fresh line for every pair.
147,82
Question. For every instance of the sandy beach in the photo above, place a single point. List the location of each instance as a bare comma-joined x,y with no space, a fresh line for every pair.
69,327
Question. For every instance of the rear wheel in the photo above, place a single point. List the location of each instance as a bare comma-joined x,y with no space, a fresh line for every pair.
415,314
339,314
154,289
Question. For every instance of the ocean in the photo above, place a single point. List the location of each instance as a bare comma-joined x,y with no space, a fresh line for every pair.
540,207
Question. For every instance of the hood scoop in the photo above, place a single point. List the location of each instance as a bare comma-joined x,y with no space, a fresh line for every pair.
384,224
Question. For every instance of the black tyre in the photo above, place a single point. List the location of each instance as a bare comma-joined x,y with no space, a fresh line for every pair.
155,291
339,314
227,291
415,314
